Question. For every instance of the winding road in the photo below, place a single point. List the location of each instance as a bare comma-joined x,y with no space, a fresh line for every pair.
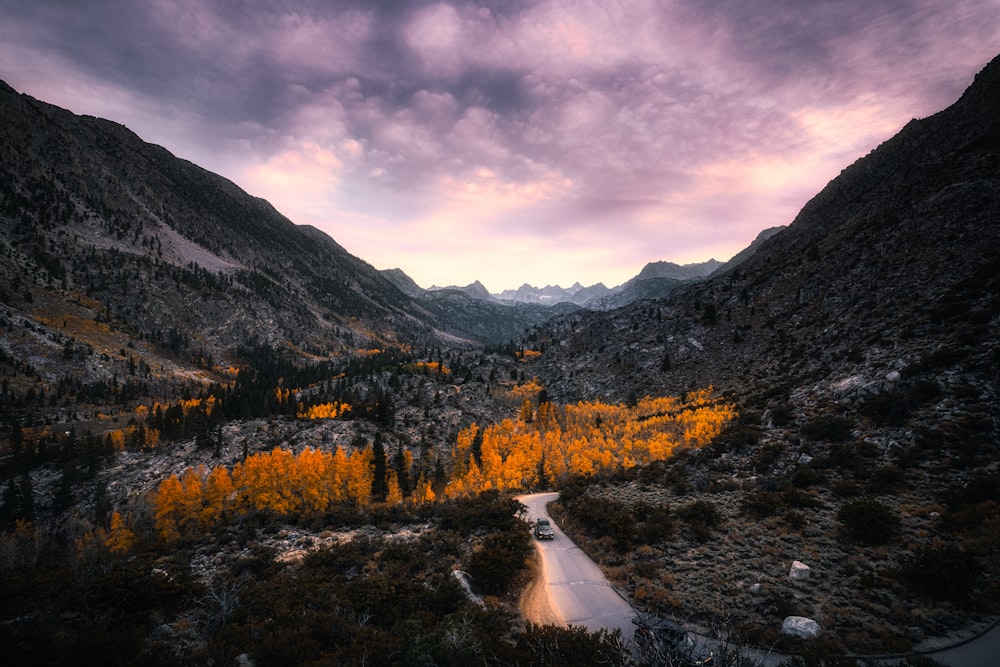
572,590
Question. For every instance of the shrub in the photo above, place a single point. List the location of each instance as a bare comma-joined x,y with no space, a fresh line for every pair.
807,476
941,573
501,558
553,645
656,523
603,517
886,479
702,517
761,505
868,521
487,510
886,409
828,428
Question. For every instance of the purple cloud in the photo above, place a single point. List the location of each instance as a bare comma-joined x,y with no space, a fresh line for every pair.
587,137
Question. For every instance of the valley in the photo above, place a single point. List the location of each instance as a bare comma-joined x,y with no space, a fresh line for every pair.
225,440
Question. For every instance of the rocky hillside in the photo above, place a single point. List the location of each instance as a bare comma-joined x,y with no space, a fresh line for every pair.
180,256
892,267
862,343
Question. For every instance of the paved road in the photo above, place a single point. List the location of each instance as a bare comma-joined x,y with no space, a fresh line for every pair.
578,593
981,652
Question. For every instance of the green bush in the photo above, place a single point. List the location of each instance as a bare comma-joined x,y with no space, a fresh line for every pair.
656,523
603,517
886,479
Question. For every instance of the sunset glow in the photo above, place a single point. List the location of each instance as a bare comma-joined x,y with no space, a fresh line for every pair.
534,141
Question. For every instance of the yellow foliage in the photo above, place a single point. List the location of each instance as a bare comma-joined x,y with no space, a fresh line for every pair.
278,481
427,367
324,411
120,539
422,492
395,494
527,389
558,440
583,439
117,439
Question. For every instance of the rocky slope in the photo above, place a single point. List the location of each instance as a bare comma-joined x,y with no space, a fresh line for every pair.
893,266
170,250
863,345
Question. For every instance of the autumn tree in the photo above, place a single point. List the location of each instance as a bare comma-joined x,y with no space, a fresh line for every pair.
120,539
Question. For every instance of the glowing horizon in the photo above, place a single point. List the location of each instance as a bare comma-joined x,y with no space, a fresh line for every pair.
539,141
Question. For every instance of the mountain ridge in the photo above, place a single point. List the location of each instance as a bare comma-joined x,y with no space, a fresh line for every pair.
597,295
860,345
889,221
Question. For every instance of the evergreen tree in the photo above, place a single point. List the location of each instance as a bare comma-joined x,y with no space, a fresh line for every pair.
380,483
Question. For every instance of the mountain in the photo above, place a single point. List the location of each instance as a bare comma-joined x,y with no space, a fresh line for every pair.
175,254
655,279
403,282
676,271
550,294
487,320
893,265
222,435
476,290
862,346
745,254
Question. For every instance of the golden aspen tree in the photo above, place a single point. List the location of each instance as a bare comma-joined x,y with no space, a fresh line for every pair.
462,450
167,503
116,439
192,499
422,492
527,412
312,479
120,539
339,474
360,474
395,494
218,493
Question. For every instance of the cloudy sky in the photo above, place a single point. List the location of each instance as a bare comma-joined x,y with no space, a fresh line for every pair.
510,141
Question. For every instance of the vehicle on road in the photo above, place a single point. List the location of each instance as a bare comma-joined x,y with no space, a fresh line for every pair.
543,530
663,642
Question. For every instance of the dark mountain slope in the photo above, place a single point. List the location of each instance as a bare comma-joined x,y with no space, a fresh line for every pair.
862,348
893,266
173,251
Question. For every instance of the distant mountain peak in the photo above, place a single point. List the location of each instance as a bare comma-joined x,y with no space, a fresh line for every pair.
664,269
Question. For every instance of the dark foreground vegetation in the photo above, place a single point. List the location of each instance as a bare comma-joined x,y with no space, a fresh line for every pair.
377,597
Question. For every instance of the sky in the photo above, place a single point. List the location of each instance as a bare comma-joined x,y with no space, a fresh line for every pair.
510,141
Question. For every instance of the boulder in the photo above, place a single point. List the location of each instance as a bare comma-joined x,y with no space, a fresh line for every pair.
801,627
799,571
